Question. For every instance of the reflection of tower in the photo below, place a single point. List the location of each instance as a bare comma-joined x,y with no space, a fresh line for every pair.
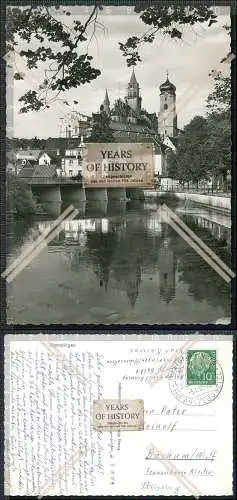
167,267
101,248
167,117
133,283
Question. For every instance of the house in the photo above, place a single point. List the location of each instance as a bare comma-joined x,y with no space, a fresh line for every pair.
37,157
29,171
71,162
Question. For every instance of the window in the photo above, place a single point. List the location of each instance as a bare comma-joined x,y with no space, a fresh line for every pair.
70,173
165,106
70,162
165,132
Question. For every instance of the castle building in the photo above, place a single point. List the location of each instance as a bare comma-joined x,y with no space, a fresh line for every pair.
128,119
129,122
132,123
129,112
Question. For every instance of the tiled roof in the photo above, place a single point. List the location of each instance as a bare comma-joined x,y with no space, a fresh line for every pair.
38,171
126,126
133,80
34,153
139,139
45,170
52,153
26,172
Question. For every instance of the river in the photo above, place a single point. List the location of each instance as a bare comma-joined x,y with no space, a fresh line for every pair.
119,267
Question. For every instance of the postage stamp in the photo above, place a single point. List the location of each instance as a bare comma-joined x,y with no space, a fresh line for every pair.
116,414
196,377
201,367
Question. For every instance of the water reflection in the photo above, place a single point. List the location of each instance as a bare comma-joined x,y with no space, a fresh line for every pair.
167,266
130,254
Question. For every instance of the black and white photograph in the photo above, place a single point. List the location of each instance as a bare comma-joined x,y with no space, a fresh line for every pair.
118,164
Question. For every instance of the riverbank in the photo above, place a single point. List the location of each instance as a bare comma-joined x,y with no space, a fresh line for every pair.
215,202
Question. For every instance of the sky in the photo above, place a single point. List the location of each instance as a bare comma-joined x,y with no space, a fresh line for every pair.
188,62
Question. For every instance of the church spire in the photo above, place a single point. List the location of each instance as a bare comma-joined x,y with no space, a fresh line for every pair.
133,80
106,99
133,98
106,103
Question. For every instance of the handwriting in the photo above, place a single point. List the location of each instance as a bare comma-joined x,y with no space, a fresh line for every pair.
50,422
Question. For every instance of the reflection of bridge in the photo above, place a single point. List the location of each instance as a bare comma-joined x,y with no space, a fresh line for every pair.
218,224
64,189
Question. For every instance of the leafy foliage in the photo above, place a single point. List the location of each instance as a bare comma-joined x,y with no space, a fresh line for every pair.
218,145
148,120
64,46
189,163
121,108
164,19
67,68
204,150
101,130
220,99
19,196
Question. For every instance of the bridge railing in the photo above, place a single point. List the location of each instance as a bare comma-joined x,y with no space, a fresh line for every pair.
59,180
52,180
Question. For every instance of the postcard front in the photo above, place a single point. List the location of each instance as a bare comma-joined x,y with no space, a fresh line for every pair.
101,133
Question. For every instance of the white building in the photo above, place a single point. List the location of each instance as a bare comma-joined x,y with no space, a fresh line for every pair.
158,165
72,163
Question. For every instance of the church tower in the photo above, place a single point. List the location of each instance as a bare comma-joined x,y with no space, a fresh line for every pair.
106,104
133,98
167,117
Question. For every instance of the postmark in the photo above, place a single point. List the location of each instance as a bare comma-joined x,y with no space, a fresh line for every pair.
201,367
194,393
118,415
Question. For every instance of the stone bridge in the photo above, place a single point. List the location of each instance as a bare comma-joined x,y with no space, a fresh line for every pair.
61,189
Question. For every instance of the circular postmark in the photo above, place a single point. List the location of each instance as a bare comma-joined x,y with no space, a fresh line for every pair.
194,395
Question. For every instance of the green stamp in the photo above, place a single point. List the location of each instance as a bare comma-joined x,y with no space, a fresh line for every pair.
201,367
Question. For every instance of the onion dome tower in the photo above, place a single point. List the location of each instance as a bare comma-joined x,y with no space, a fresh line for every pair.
167,117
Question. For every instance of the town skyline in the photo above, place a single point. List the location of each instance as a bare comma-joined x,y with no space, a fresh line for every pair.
184,61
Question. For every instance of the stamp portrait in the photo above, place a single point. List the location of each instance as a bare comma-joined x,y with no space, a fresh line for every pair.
201,367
